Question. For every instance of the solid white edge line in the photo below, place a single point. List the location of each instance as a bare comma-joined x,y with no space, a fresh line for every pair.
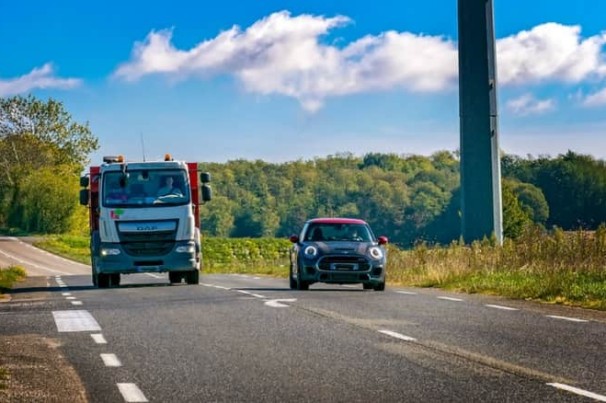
568,319
406,292
28,263
131,393
258,296
397,335
581,392
110,360
501,307
451,299
98,338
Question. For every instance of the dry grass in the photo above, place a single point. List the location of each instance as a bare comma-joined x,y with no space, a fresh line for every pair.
568,268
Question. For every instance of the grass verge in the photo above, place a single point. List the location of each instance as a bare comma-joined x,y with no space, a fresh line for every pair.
74,247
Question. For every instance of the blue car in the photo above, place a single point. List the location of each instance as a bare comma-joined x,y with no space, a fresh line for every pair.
337,251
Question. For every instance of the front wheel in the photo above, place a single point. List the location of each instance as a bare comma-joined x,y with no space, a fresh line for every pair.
380,287
301,285
174,277
192,277
103,280
292,281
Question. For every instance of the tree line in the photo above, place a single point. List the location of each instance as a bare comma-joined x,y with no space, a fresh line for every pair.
406,197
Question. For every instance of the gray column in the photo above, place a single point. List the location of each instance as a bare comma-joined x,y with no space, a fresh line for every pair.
480,161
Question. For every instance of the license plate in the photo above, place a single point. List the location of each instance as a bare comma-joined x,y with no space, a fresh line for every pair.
344,267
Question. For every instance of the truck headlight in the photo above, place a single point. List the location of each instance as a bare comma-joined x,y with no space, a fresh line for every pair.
186,249
110,251
376,252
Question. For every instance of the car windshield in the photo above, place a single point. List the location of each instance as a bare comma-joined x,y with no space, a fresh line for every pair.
145,188
338,232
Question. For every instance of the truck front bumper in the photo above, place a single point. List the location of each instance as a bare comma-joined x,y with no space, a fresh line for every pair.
113,258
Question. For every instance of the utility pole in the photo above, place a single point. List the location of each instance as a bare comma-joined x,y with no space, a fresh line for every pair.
482,213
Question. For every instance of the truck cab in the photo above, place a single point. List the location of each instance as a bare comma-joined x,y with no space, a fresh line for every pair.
144,217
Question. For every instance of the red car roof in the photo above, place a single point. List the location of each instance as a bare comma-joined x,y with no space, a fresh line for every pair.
337,221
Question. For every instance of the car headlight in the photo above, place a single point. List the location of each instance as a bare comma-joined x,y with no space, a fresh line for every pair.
376,252
311,251
186,249
110,252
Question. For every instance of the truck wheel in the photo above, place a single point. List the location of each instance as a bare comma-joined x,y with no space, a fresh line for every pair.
174,277
367,286
193,277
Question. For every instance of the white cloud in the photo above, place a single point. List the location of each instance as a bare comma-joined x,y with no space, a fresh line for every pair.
595,99
282,54
527,104
39,78
550,52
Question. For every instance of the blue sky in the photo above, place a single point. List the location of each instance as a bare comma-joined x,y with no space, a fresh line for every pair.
287,80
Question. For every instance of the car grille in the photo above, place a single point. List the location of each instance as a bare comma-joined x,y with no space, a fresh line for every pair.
343,263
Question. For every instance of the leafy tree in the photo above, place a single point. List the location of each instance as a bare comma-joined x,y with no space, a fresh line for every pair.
37,136
515,219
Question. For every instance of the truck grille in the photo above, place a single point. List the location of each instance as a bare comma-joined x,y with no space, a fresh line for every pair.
154,243
343,263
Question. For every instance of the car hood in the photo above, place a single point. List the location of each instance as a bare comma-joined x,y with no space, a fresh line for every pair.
343,247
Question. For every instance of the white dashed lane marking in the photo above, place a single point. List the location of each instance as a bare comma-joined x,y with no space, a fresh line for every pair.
75,321
98,338
451,299
501,307
567,318
580,392
277,303
110,360
397,335
76,302
70,298
406,292
131,393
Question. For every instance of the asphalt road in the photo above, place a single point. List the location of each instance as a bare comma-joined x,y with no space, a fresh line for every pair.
240,338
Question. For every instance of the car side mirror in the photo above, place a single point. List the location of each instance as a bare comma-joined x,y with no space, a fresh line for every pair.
383,240
294,239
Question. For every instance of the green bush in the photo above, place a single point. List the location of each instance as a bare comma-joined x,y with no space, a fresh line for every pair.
10,275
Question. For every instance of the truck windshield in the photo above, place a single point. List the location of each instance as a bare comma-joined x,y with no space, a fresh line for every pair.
145,188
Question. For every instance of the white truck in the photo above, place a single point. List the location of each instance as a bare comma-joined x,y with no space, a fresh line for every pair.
144,217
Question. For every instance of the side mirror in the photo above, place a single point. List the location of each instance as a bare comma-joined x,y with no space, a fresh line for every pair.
84,197
383,240
84,181
294,239
205,177
207,193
